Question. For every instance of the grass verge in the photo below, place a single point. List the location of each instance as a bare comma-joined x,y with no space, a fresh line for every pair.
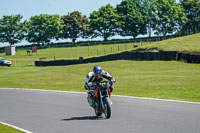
7,129
155,79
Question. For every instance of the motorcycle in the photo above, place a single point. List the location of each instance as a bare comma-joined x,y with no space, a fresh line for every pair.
100,98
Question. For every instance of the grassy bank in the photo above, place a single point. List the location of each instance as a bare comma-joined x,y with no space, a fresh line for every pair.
189,43
157,79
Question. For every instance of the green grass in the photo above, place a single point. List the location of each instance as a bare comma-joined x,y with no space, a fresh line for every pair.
7,129
21,58
157,79
189,43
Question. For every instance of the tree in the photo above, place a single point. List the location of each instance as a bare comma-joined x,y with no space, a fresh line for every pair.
192,10
150,8
43,28
169,18
105,22
134,17
75,25
11,29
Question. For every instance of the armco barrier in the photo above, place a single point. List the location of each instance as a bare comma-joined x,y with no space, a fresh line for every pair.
130,55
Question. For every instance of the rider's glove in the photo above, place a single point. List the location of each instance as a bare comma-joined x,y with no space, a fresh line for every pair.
113,80
90,84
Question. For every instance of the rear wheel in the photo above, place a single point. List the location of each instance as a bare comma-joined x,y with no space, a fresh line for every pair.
107,109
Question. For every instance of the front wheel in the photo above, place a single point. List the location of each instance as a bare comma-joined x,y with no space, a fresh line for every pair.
97,112
107,109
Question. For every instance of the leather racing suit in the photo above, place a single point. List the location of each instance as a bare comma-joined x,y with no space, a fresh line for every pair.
90,79
90,83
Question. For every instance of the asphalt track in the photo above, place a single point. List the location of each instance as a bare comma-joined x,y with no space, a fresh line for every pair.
64,112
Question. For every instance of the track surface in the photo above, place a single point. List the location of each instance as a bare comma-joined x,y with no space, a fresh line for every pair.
59,112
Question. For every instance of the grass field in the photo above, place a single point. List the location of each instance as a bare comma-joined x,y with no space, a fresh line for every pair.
22,59
7,129
157,79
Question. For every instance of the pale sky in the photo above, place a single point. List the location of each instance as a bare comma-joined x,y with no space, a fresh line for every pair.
28,8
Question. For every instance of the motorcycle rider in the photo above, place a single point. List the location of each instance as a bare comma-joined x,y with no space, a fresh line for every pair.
97,74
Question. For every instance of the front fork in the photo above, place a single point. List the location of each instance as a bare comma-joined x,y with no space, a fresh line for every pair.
101,98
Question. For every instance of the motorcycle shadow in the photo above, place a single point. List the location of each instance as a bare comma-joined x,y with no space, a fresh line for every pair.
83,118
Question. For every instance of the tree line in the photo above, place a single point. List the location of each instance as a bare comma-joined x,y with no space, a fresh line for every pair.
129,18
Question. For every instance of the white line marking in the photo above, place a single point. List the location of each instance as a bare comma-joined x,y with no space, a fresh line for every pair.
142,98
23,130
156,99
55,91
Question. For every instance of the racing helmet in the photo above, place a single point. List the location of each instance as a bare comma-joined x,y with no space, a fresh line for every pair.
97,72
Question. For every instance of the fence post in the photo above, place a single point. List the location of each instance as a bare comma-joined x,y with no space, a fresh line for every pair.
31,62
88,50
70,54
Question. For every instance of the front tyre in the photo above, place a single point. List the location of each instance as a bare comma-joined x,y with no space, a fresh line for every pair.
107,109
97,112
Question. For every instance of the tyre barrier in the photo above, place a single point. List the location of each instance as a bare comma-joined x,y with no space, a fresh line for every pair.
188,57
129,55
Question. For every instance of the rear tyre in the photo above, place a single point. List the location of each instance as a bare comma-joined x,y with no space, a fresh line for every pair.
107,109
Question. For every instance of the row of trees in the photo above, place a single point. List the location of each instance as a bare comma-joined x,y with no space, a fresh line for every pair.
129,18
